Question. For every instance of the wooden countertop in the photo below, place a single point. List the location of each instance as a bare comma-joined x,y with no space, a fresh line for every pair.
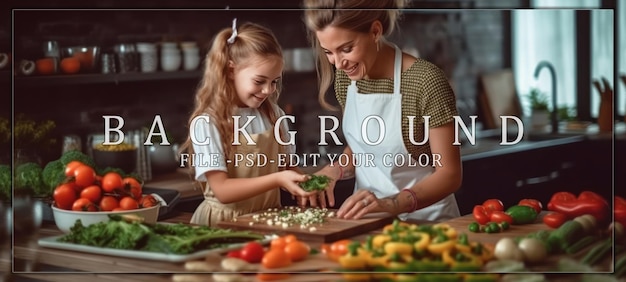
61,261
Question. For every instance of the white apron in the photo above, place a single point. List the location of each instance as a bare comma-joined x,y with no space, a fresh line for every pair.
384,177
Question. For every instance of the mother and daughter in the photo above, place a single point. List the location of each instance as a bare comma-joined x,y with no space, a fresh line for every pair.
371,76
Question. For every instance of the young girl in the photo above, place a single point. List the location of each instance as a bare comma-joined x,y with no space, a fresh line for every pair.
240,89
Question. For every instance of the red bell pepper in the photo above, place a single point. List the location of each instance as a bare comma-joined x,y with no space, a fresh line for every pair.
587,202
619,210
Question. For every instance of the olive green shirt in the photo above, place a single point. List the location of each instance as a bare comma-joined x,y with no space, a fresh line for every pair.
425,92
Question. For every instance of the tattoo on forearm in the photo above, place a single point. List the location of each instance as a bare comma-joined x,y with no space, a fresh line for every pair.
391,203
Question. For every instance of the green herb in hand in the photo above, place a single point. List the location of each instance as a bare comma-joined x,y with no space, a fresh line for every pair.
316,183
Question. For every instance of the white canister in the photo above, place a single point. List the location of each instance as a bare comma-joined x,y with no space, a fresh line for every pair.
170,59
191,58
148,60
303,59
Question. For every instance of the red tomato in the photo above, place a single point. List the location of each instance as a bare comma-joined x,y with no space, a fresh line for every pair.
84,175
93,193
64,196
112,181
109,203
234,254
83,204
500,216
493,205
71,166
128,203
148,201
480,215
132,186
554,219
252,252
535,204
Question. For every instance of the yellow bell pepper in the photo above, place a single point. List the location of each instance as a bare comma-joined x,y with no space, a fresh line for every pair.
379,240
482,251
423,241
401,248
448,230
439,248
354,260
462,261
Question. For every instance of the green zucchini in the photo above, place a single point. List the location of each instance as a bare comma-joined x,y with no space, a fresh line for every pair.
563,237
522,214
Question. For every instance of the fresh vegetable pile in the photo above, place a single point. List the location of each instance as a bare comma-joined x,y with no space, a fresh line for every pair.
492,218
316,183
119,233
83,190
404,247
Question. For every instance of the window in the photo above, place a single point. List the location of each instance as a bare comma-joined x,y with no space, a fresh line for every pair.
550,35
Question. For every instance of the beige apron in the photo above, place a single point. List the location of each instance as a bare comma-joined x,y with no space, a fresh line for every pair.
211,210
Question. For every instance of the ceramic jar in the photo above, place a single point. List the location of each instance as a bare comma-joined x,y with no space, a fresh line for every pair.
148,59
191,55
171,58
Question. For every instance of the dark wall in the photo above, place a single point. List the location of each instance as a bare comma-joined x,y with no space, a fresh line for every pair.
464,43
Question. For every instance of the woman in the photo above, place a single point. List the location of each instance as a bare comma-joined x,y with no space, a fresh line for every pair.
375,81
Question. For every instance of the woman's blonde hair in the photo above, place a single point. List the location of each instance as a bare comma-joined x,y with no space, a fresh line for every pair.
216,94
353,15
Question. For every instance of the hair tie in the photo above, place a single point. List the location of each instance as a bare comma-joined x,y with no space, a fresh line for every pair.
232,37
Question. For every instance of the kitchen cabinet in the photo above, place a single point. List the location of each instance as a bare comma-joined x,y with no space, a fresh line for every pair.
537,173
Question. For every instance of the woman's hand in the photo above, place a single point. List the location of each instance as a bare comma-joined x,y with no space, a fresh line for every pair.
363,201
289,179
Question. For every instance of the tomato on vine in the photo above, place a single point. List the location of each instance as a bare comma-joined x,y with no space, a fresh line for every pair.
111,182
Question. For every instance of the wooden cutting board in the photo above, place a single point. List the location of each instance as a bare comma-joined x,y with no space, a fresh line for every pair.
332,230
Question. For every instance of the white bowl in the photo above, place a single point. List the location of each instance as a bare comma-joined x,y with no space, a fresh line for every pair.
65,219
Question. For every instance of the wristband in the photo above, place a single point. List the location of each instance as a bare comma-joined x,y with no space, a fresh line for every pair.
414,196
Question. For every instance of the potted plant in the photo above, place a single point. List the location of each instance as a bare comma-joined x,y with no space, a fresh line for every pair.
539,112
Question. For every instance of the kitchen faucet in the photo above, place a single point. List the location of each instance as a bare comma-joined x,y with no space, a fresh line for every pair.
553,115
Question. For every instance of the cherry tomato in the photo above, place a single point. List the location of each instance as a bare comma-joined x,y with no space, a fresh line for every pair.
64,196
500,216
535,204
71,166
132,186
109,203
83,204
148,201
493,205
340,247
252,252
92,193
234,254
480,215
84,175
554,219
275,258
111,181
297,250
128,203
290,238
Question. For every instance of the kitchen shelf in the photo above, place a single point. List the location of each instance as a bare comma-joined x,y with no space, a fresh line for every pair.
96,78
79,79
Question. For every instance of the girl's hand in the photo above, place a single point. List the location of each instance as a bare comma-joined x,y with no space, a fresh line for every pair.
289,179
363,201
328,195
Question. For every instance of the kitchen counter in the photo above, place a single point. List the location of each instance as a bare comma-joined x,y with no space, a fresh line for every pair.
57,263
